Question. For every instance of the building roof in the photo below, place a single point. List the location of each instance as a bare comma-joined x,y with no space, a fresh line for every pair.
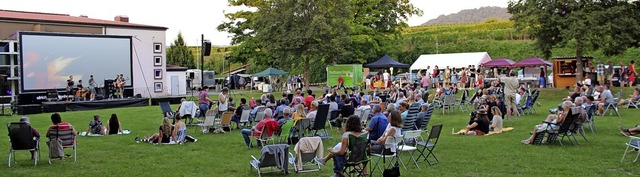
66,18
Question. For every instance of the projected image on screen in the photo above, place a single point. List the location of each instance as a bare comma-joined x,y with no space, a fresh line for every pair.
49,59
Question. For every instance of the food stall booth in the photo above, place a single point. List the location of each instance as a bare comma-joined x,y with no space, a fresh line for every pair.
564,70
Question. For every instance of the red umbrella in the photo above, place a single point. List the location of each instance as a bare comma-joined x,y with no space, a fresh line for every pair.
532,62
501,62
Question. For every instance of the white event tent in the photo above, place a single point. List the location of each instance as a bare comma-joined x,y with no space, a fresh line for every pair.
457,60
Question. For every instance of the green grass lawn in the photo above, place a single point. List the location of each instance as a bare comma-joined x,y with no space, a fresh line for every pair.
226,154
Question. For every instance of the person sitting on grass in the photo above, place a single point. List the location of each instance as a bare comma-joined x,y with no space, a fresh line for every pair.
179,130
337,153
113,126
552,123
96,127
34,133
268,124
479,126
496,122
164,135
632,98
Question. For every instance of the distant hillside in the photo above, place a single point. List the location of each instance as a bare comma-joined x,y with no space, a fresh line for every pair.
471,16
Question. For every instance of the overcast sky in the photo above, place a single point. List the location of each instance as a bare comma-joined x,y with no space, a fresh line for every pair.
195,17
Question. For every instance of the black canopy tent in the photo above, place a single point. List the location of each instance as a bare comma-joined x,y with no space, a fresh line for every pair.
386,62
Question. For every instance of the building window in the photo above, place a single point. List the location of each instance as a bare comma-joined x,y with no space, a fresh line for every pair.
157,47
4,47
157,74
157,61
157,87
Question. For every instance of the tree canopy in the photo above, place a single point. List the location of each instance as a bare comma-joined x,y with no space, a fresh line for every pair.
590,24
313,32
179,54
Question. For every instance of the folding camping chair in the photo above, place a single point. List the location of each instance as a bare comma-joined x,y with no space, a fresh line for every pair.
447,103
225,121
427,118
408,136
188,110
259,116
244,118
356,155
332,116
365,116
319,123
264,137
430,144
412,115
277,161
632,146
563,131
302,126
591,111
462,102
21,139
613,105
633,104
285,132
64,133
209,121
165,107
306,153
381,156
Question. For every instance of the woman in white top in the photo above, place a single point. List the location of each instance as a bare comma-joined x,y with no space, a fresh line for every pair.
496,122
223,104
392,131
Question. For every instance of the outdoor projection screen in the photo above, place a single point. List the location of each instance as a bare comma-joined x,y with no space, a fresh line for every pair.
48,59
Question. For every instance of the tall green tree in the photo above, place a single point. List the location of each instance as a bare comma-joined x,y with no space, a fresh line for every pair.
372,27
376,23
303,30
589,24
179,54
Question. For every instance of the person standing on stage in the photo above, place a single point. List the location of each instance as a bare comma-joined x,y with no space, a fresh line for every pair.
385,78
92,88
70,88
122,81
204,100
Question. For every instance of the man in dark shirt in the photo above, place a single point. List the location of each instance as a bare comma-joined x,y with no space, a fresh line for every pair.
238,113
343,100
346,111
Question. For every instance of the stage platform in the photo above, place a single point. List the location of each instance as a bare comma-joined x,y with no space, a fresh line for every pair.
63,106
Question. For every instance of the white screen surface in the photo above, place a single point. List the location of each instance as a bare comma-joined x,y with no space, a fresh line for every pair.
48,59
